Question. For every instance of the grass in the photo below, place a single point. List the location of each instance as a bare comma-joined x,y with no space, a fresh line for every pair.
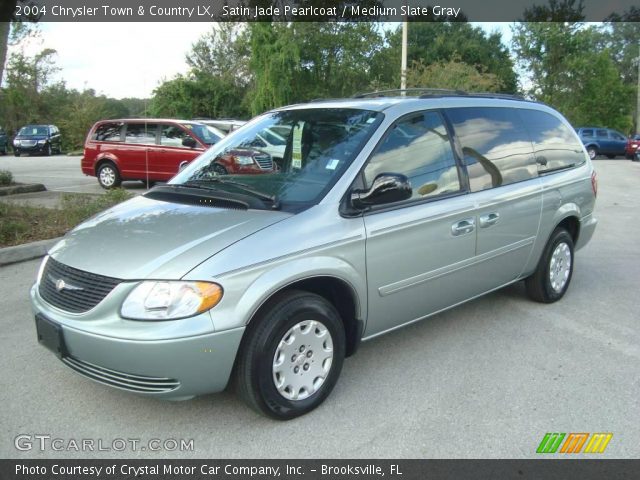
6,178
21,223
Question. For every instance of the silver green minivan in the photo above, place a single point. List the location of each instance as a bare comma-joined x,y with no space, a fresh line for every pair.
384,210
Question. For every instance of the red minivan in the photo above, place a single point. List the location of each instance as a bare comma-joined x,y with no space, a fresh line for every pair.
153,150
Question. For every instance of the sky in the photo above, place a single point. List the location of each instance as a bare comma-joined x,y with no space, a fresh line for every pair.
131,59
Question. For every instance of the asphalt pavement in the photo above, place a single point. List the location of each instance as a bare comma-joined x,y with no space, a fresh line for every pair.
59,173
487,379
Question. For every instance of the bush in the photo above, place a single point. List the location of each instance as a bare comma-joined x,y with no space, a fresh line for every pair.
6,178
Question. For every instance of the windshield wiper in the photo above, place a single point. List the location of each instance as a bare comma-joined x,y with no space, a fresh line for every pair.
275,201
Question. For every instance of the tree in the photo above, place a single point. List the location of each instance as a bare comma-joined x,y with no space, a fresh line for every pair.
222,52
444,41
274,59
571,67
453,74
544,41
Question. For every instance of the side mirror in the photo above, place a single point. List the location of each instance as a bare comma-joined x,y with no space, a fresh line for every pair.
189,142
386,188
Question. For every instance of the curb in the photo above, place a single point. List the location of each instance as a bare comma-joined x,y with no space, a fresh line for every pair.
27,188
28,251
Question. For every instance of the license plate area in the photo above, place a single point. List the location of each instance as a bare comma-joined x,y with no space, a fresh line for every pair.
50,335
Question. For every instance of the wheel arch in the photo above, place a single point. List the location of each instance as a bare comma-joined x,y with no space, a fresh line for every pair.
337,290
105,159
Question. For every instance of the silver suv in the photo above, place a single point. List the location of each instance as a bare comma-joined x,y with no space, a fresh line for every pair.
384,211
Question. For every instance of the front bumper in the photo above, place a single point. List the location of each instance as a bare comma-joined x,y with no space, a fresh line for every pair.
172,369
37,148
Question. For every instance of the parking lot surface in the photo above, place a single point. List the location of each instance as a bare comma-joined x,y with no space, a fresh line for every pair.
59,173
486,379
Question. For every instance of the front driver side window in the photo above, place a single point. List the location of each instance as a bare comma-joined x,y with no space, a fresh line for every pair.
419,148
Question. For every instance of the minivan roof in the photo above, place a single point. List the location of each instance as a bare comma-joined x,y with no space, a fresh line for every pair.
174,120
380,104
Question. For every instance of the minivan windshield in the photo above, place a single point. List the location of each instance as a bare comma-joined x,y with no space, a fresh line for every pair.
32,131
312,149
208,135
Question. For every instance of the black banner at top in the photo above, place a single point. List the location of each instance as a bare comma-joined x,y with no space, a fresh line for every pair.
308,10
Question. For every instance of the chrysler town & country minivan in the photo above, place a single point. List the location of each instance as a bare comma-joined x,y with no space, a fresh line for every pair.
386,210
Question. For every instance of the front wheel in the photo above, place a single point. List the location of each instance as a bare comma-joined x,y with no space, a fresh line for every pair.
551,279
219,169
108,176
47,150
16,153
291,356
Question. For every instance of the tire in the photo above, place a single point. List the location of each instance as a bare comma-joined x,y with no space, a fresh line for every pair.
16,153
108,176
296,332
593,152
219,169
544,285
47,150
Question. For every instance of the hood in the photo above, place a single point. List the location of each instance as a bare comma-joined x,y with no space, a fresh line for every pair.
145,238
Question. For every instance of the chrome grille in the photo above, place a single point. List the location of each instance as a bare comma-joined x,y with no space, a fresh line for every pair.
124,381
73,290
28,143
265,162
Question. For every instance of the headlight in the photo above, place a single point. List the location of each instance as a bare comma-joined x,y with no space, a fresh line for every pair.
41,142
16,143
242,160
170,300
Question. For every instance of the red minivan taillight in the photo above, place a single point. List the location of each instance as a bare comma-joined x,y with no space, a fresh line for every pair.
594,183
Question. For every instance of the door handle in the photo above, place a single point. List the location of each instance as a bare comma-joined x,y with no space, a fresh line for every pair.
489,219
463,227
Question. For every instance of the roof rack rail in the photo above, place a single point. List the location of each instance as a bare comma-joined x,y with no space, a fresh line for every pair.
505,96
438,92
424,91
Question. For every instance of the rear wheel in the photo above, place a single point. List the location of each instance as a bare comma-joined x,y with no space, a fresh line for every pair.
593,152
551,279
108,176
291,356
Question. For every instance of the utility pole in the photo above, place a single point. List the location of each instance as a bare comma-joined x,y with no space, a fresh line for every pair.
403,67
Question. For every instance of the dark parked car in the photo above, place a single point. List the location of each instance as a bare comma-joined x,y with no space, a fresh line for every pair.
632,146
42,139
3,142
602,141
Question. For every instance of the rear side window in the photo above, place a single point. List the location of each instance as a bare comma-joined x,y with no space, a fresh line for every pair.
141,133
617,136
418,147
172,135
602,133
495,146
587,133
108,132
555,144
